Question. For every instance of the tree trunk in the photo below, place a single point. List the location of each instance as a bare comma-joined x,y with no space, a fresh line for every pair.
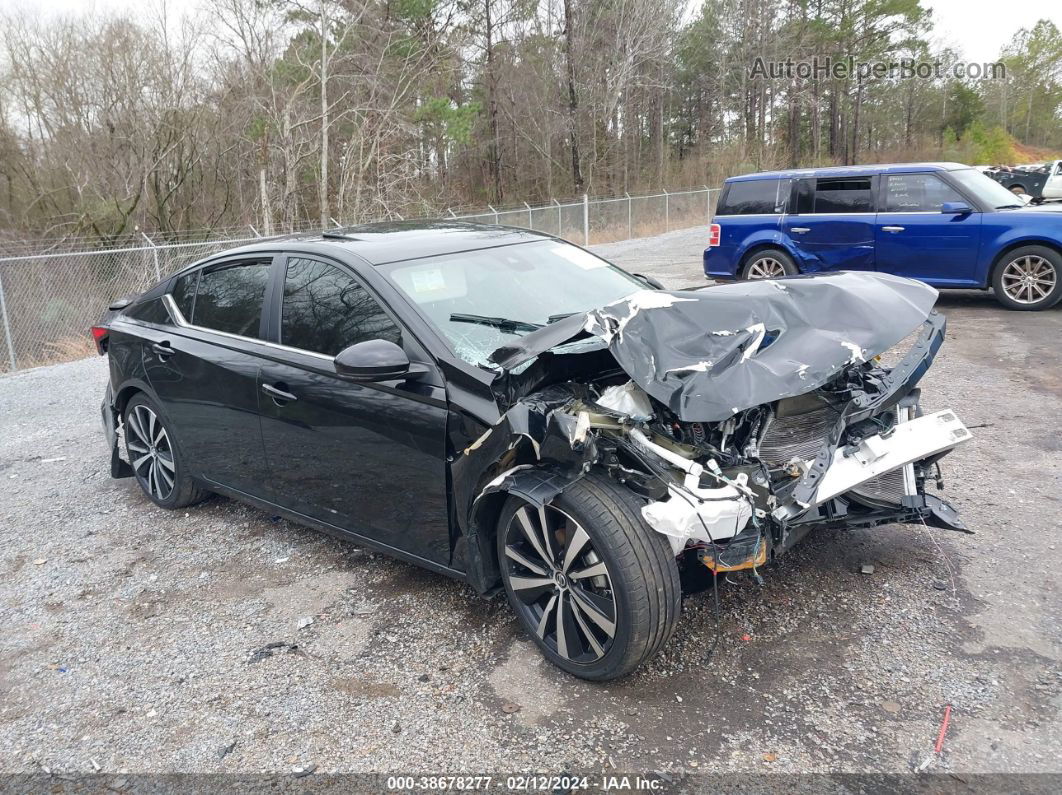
322,188
493,148
854,156
573,103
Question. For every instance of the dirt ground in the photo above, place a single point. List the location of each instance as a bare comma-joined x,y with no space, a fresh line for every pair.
138,640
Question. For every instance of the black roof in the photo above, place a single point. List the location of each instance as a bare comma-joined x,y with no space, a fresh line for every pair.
393,241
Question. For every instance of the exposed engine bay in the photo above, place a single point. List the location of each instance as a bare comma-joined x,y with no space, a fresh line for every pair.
743,415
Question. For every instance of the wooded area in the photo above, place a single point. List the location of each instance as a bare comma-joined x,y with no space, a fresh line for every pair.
288,113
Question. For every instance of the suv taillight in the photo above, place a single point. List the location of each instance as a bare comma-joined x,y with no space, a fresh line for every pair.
713,235
99,336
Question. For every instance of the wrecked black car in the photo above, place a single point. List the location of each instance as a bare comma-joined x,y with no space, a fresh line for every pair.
511,410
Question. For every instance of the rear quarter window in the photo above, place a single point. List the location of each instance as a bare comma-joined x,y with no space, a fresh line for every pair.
184,294
153,311
754,197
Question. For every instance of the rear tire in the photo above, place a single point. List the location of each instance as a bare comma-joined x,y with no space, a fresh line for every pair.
632,584
155,456
768,263
1028,278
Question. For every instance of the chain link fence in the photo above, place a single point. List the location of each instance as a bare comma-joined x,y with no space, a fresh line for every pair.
49,301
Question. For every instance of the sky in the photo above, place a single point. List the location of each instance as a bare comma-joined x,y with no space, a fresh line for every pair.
980,28
976,28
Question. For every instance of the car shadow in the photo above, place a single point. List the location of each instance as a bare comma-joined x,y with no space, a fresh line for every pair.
968,299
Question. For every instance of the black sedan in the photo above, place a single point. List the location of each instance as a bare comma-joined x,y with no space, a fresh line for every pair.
511,410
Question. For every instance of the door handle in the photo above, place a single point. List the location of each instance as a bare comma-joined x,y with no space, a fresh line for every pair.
799,230
163,350
892,229
278,394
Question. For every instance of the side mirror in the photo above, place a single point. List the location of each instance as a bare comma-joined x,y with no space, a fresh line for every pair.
372,360
956,208
656,285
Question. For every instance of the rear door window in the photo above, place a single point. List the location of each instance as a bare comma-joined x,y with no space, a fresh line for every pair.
843,195
917,193
325,310
755,197
229,298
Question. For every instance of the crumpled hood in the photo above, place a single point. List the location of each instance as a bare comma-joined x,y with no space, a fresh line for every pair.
711,353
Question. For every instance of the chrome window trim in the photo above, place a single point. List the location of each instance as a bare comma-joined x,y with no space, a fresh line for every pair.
747,215
180,320
869,212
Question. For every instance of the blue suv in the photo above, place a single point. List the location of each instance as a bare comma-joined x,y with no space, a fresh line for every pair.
942,223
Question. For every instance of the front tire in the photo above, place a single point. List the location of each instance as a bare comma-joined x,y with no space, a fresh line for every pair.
1028,278
768,263
155,456
595,588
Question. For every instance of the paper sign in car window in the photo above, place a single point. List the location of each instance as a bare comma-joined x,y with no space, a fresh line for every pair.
576,256
427,283
428,280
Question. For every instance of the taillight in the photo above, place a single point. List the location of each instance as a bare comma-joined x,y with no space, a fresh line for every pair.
713,235
99,336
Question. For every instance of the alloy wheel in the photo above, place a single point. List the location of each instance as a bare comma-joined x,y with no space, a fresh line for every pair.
766,268
1029,279
562,586
150,452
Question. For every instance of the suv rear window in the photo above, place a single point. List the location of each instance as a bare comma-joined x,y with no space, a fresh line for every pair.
754,197
836,195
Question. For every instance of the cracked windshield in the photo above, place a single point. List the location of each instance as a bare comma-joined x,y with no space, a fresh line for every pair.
480,300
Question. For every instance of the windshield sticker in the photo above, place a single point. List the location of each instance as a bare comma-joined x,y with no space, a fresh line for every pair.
576,256
428,281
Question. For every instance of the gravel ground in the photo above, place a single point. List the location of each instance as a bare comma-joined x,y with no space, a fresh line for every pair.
136,639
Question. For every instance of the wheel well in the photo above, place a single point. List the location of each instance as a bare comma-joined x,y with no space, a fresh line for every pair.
1014,246
121,400
484,526
758,247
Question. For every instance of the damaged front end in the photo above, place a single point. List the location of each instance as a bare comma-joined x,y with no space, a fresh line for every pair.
743,415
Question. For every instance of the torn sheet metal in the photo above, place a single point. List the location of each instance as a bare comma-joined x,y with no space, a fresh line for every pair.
711,353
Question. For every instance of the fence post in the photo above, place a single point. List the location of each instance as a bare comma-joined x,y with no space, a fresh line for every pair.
495,214
155,252
559,223
708,202
667,211
586,220
7,330
630,232
530,222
